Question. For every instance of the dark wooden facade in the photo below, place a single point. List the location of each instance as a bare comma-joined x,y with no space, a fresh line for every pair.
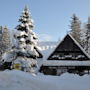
58,70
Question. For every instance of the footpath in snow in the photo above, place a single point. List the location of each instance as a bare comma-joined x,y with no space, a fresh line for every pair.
18,80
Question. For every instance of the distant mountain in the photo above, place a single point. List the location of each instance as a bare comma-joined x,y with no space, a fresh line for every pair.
47,45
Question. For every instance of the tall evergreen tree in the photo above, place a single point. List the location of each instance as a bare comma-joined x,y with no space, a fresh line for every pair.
83,35
6,39
76,28
1,51
23,55
5,42
87,41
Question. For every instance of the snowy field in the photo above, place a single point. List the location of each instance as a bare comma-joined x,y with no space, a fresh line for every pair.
18,80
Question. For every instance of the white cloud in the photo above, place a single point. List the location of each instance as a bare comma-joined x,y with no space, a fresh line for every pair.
44,37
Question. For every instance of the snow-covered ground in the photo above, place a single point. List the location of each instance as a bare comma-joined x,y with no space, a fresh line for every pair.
18,80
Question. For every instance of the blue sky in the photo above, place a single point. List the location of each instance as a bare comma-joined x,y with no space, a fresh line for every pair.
51,17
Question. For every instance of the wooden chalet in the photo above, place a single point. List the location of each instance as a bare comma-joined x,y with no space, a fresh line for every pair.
68,56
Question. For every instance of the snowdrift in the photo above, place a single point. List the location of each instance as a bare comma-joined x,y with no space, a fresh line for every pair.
18,80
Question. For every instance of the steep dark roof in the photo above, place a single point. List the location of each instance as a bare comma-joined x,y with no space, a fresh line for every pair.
68,49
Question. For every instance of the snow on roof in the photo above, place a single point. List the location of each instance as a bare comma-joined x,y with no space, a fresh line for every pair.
74,42
39,51
65,63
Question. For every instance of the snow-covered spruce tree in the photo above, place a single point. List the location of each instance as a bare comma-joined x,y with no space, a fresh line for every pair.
6,39
23,55
83,35
87,40
1,42
5,42
76,28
